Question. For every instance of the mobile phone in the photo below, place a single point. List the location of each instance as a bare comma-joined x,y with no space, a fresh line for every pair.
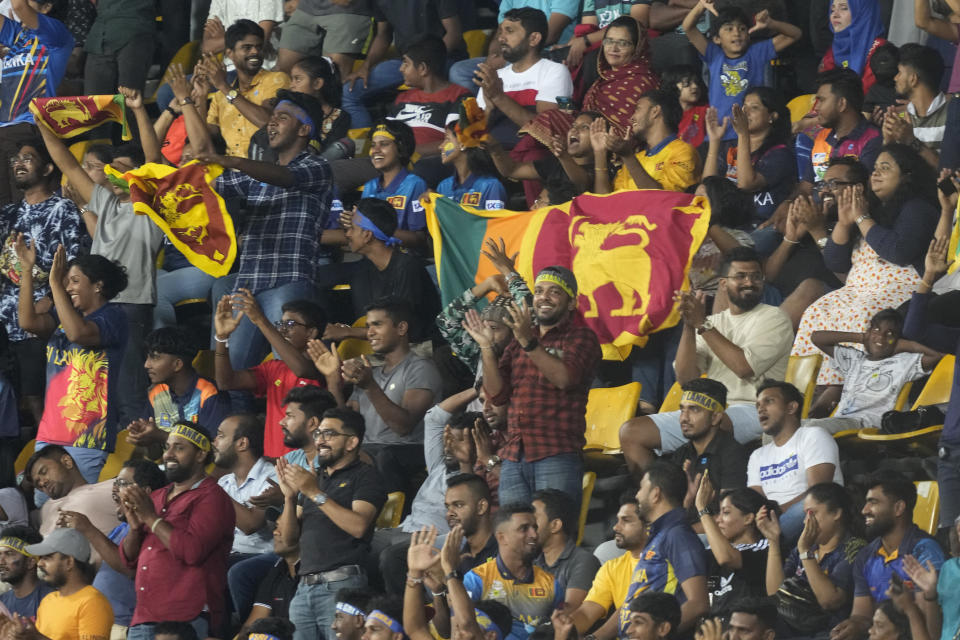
947,187
565,103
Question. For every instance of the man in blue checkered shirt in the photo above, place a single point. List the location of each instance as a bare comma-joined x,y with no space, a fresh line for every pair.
285,207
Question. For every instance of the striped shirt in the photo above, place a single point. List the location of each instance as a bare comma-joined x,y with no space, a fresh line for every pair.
929,128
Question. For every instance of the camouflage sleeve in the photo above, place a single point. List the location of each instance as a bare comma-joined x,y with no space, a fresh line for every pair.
450,322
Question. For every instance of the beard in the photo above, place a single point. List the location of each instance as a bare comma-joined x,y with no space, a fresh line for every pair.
514,54
295,440
225,459
178,473
746,301
878,528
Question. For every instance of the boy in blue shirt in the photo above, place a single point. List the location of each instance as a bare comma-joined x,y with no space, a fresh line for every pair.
735,64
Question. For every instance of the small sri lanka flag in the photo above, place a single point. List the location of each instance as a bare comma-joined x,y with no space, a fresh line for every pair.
70,116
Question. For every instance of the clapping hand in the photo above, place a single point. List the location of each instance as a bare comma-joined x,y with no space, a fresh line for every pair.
705,492
58,271
520,322
925,577
421,556
326,360
478,329
716,128
810,533
357,371
224,322
768,524
26,252
496,252
740,124
692,307
935,263
851,204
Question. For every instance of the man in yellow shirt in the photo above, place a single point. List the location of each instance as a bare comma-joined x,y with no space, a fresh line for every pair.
239,109
666,162
75,611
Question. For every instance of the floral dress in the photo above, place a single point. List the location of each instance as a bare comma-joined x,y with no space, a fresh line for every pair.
873,284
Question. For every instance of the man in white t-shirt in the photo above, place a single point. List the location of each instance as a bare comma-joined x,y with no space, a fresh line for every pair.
529,84
797,459
740,347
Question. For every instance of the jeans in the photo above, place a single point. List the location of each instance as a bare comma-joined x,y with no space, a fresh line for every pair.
313,606
248,346
244,576
519,480
133,383
652,364
766,240
461,73
383,77
791,524
144,631
173,286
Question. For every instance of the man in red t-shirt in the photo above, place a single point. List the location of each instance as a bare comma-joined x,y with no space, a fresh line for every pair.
302,321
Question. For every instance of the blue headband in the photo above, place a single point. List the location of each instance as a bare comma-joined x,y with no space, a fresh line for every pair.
385,620
350,610
364,222
297,112
487,624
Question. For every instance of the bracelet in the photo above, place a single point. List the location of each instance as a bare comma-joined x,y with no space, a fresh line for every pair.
223,341
530,345
170,110
928,284
153,527
600,169
786,239
414,580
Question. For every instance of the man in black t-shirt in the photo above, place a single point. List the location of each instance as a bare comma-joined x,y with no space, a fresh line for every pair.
337,512
708,448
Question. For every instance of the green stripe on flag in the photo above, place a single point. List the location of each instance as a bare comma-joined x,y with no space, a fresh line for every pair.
462,236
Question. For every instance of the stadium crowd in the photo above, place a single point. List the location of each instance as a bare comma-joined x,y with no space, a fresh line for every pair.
185,456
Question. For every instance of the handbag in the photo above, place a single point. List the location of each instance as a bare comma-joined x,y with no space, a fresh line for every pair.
903,421
798,606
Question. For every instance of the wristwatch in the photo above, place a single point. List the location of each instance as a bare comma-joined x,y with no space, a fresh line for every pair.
706,326
492,462
186,101
453,575
232,95
530,345
320,499
704,512
808,555
861,218
822,242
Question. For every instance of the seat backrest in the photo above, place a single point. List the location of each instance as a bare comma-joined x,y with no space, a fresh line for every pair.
392,510
607,409
122,451
589,482
937,389
354,347
671,402
20,464
476,41
800,106
926,514
802,373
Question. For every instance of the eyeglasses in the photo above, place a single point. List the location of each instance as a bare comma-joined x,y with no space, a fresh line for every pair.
833,185
756,276
119,484
285,325
614,43
327,434
24,159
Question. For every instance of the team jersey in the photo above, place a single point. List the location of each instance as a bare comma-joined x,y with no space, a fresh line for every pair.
403,194
203,404
479,192
673,163
531,600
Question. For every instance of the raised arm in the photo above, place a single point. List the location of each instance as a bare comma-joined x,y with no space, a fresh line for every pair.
224,324
827,340
787,33
148,136
923,18
421,557
197,131
77,328
29,17
715,132
41,324
214,69
689,25
67,164
509,167
769,527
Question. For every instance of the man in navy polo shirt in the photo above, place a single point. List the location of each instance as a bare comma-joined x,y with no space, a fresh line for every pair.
673,560
888,515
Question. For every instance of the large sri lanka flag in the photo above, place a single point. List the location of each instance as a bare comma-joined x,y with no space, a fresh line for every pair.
629,250
183,203
70,116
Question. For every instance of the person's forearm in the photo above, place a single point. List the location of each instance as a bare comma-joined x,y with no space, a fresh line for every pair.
601,173
911,346
27,314
288,523
249,519
415,624
664,17
556,23
379,46
520,116
299,364
348,520
774,573
711,162
162,124
458,400
201,142
267,172
685,364
396,417
691,18
492,380
76,328
411,239
459,600
748,179
502,160
729,354
453,33
553,368
919,629
131,546
786,29
578,176
222,369
691,611
828,595
827,340
67,164
258,114
108,551
639,175
724,552
932,614
777,259
148,137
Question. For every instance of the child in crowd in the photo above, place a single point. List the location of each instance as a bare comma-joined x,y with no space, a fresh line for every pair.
735,64
687,83
872,377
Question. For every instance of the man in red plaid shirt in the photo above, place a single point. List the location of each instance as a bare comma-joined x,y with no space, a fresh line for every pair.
544,374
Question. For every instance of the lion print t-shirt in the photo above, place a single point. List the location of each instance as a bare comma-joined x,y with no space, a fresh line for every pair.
80,408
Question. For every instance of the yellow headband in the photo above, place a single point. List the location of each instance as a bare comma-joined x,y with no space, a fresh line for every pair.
194,436
701,400
383,132
16,544
553,278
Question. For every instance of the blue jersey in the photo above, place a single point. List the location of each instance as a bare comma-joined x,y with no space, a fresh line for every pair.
479,192
874,566
672,555
531,599
731,77
403,194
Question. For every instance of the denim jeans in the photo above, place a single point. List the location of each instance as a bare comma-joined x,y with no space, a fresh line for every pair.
313,606
461,73
948,477
519,480
791,524
173,286
244,576
132,383
144,631
383,77
248,346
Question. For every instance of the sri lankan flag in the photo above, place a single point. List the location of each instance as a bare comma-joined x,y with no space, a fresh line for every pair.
630,251
183,203
69,117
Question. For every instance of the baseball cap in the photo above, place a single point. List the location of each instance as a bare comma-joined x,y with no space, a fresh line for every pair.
69,542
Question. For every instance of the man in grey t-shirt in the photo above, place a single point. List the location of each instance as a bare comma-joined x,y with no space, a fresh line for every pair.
394,396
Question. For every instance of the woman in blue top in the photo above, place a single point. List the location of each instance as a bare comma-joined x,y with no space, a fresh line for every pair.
391,146
475,181
87,338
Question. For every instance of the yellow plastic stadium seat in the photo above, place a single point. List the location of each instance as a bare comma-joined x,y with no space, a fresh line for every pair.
671,402
186,56
800,106
589,481
902,397
937,389
354,347
607,409
926,514
121,453
361,140
392,510
476,40
21,462
802,373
